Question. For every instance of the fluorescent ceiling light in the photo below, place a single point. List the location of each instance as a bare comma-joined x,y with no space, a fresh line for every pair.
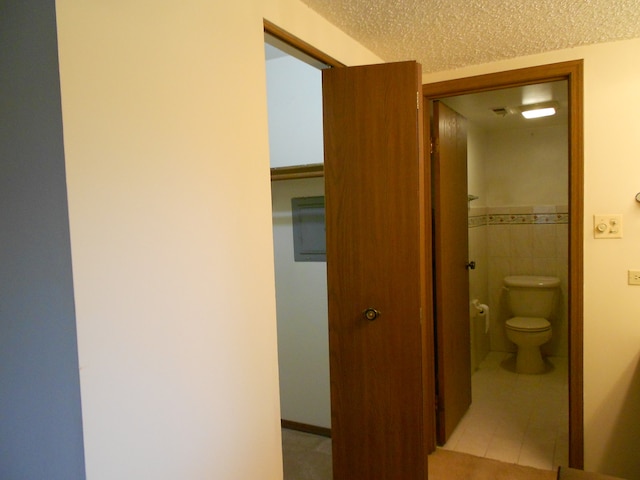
539,110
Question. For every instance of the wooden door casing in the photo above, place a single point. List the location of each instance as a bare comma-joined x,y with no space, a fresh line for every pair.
573,72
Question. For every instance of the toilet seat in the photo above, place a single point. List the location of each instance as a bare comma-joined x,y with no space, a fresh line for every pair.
528,324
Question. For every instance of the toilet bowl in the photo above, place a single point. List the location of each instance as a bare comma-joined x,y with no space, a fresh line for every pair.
531,299
529,333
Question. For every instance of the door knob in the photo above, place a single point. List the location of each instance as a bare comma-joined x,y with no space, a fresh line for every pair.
471,265
371,314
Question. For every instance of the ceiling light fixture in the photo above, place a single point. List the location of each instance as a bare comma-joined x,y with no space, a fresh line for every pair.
539,110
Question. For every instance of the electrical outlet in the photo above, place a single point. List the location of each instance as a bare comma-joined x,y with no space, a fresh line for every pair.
607,226
634,277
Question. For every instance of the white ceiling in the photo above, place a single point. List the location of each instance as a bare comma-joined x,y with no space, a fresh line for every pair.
479,107
448,34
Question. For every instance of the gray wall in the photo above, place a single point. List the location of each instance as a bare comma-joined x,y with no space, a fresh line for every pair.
40,416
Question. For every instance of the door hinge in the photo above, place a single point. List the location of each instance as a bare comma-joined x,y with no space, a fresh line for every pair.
434,146
431,146
418,100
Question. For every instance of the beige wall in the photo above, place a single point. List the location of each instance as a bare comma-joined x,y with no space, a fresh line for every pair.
165,122
611,307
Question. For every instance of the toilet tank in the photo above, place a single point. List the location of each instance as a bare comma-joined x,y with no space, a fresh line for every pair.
531,295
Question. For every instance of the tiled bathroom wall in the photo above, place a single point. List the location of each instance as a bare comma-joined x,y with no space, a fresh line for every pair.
518,225
521,240
478,285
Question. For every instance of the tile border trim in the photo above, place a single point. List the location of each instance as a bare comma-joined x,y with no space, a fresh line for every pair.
481,219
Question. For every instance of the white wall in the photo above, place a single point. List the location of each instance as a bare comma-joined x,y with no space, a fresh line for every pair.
611,307
301,300
165,131
527,166
476,168
294,94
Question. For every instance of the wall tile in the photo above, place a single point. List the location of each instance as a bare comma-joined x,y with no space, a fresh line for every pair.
521,241
498,241
544,241
524,240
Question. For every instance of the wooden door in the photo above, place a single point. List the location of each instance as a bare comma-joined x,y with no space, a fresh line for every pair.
377,259
451,249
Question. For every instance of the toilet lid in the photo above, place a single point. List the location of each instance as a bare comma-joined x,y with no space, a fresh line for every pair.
528,324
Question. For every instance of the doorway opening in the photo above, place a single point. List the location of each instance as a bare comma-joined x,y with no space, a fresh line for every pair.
565,217
294,94
515,211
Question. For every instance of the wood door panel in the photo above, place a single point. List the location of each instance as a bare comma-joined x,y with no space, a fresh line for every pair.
451,247
374,246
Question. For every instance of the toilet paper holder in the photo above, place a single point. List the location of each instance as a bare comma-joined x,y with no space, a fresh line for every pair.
478,306
483,312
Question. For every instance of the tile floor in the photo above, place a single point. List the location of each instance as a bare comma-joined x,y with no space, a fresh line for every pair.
522,419
308,457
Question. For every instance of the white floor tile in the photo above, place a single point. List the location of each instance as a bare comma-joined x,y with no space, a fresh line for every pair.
516,418
505,449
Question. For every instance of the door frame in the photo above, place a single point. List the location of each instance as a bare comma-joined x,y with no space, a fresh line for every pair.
294,45
306,53
572,71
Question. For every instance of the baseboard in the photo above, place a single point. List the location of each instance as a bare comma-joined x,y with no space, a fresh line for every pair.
304,427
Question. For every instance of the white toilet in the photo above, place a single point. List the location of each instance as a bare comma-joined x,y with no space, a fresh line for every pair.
532,299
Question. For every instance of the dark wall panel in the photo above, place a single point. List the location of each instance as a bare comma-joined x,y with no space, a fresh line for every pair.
40,415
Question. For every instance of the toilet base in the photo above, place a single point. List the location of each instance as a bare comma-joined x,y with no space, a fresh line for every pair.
529,360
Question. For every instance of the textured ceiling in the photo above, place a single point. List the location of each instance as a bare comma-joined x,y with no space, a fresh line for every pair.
448,34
